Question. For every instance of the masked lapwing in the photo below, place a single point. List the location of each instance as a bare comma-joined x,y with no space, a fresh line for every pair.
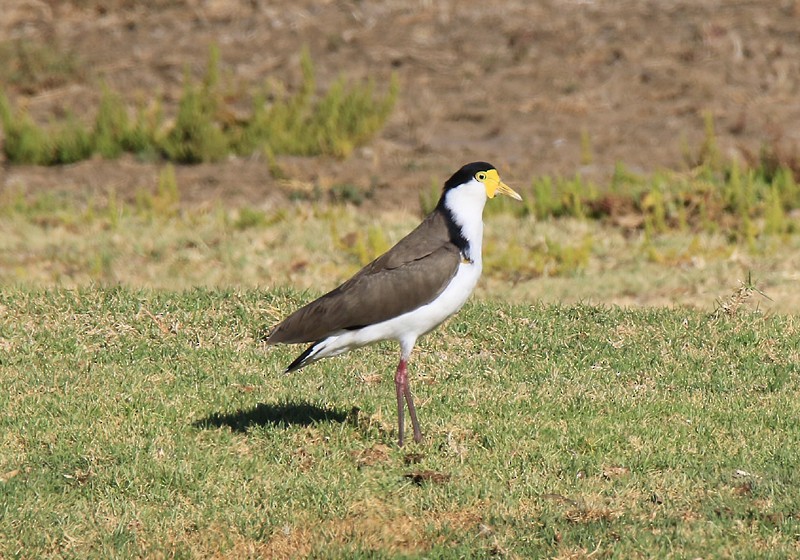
406,292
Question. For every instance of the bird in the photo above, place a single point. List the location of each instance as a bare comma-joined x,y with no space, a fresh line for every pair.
408,291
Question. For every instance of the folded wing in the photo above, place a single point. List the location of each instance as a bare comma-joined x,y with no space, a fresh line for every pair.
409,275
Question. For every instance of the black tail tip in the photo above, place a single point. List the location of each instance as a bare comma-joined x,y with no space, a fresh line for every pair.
301,360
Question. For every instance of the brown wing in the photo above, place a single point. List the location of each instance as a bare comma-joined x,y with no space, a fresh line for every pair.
410,274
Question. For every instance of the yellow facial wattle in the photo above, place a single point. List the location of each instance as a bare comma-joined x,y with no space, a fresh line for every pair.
493,184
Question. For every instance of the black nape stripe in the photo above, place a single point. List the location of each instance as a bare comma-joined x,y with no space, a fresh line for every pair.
456,235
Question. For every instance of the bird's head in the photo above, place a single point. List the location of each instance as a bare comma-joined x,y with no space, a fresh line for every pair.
470,186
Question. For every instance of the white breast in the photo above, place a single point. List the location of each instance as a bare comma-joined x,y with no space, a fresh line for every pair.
427,317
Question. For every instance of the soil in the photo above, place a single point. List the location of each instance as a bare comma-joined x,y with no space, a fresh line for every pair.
547,87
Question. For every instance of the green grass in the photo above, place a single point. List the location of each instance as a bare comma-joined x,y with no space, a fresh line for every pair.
746,204
744,201
206,126
142,423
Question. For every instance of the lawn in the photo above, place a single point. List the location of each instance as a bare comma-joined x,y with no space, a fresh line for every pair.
625,382
156,423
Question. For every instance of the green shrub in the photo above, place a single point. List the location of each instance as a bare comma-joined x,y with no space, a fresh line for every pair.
300,124
72,142
25,143
112,126
346,117
196,136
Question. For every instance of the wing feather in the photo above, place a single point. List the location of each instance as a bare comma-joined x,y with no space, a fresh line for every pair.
409,275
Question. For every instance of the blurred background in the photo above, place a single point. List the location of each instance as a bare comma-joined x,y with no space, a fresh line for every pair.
175,143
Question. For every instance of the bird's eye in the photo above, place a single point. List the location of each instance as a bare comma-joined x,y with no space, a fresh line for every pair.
480,175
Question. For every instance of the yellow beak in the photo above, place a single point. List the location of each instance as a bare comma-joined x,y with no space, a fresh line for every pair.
502,188
494,185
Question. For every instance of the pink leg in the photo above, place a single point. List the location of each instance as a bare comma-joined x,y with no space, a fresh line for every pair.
413,413
400,380
404,392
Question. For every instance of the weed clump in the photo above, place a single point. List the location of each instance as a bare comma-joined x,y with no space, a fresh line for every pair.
743,201
196,136
115,132
345,117
25,142
730,306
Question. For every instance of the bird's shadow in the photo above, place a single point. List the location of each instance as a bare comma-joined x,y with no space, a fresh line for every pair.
274,414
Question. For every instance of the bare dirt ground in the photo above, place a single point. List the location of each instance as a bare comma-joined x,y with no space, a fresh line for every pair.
515,83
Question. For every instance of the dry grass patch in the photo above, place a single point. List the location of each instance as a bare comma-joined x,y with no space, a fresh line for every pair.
374,526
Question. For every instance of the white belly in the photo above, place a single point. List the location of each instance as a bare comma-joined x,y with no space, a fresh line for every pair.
408,327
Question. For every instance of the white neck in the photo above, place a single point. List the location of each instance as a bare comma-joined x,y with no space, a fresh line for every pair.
466,204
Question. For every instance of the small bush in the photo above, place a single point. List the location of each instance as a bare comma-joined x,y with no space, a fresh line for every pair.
25,143
196,136
112,127
72,142
346,117
343,118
